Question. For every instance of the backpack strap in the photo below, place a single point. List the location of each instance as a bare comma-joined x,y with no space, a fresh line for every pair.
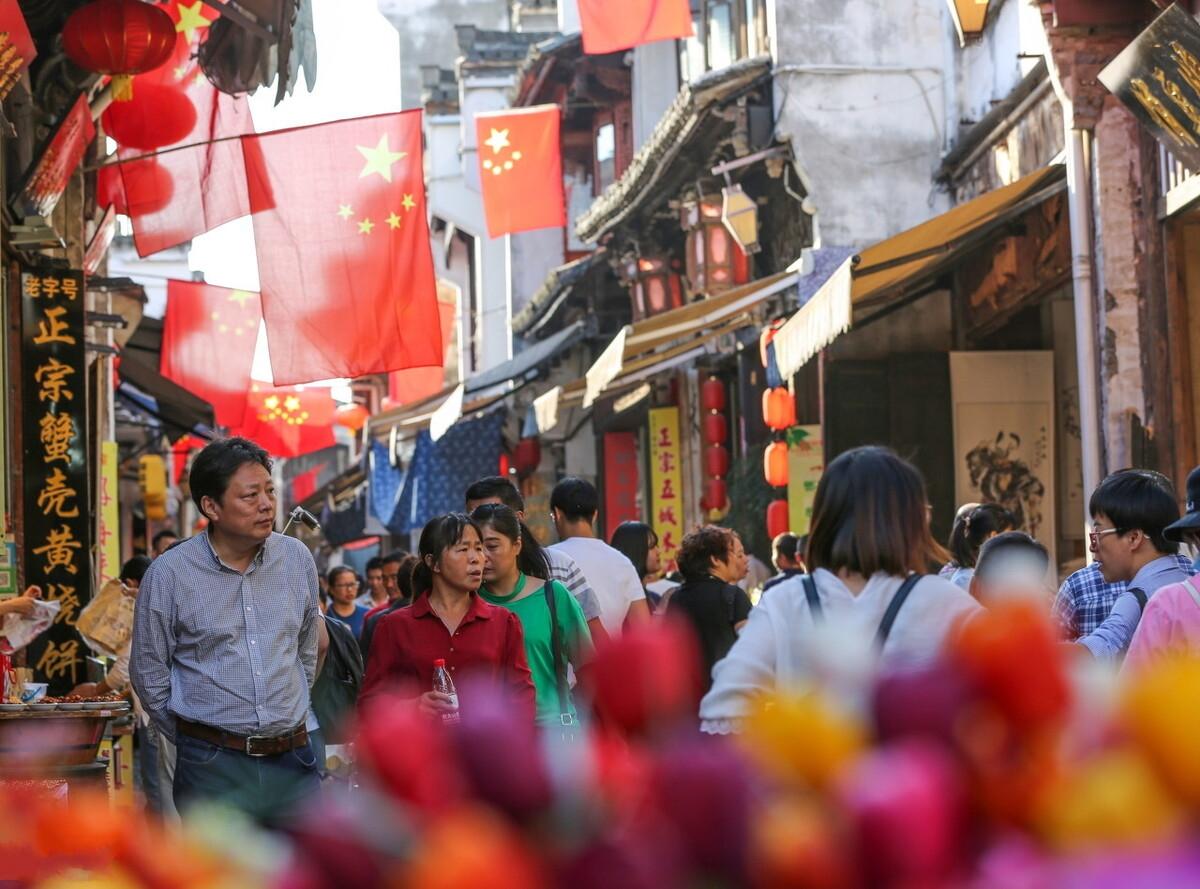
893,609
1140,595
1190,583
814,601
560,667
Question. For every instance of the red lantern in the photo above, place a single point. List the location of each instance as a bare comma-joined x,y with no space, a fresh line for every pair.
775,464
121,38
714,429
779,408
146,185
158,116
716,460
352,416
778,521
712,395
527,455
716,494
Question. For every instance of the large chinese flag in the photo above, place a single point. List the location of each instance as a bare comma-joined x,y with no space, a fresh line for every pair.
344,259
208,345
613,25
415,384
183,192
289,420
520,169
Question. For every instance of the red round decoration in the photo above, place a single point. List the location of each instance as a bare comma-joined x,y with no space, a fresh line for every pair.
779,408
715,431
712,395
716,460
716,494
146,186
352,416
158,116
526,456
775,464
778,521
119,37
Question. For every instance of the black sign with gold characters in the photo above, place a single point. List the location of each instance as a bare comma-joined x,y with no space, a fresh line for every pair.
57,539
1158,78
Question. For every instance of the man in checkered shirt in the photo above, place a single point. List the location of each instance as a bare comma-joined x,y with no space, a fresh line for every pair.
1084,599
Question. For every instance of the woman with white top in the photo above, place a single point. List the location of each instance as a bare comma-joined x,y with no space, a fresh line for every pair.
868,548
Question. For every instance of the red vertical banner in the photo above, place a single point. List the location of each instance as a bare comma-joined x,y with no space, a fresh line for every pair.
621,480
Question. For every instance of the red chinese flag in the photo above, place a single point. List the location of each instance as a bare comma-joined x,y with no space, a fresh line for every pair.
613,25
289,420
208,345
179,194
344,260
520,169
415,384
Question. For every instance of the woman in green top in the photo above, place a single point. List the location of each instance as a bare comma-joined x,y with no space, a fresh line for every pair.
515,577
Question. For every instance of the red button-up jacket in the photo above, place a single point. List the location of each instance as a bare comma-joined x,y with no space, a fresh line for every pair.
488,644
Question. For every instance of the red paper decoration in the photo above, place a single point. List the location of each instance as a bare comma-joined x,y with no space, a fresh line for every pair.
775,464
119,37
716,460
527,455
715,431
712,395
716,494
779,409
158,116
778,521
352,416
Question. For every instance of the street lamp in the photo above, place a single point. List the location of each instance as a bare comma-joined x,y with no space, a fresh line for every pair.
739,212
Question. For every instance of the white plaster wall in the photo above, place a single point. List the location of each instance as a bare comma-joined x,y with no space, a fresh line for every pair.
869,142
655,84
534,254
568,16
990,68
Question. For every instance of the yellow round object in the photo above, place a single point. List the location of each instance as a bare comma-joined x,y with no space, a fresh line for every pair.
802,738
1158,711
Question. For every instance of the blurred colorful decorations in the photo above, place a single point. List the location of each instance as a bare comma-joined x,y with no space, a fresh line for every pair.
352,416
777,518
121,38
666,480
713,401
158,115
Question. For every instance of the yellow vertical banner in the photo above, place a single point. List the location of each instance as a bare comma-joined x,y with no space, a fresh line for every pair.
108,532
666,480
806,462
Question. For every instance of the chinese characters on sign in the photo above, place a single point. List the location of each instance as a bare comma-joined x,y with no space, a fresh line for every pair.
666,481
1157,77
48,178
57,514
621,480
16,46
806,462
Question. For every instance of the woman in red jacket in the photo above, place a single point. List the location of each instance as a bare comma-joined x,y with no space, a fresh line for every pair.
448,621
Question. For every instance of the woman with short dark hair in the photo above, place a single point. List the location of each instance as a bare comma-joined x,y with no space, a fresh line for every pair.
638,543
712,560
868,548
974,525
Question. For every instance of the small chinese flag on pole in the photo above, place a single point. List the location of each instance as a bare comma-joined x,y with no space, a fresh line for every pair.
614,25
520,169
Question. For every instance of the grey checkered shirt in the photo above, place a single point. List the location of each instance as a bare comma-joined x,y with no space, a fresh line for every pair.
564,569
234,651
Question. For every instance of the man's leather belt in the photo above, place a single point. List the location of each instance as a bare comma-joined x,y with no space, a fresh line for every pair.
251,745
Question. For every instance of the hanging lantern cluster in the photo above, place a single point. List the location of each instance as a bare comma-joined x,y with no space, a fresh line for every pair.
779,413
715,429
120,38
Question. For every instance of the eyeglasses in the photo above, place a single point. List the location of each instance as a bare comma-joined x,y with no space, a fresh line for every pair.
348,585
1094,536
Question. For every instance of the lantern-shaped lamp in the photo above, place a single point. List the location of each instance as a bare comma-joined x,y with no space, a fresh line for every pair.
716,456
715,430
715,262
739,213
775,464
716,495
121,38
778,521
655,286
716,461
712,395
158,116
779,408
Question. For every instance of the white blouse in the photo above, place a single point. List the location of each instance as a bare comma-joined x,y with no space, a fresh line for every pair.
782,647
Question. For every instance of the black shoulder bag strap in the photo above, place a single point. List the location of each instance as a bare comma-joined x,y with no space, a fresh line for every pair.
814,600
1140,595
560,666
893,609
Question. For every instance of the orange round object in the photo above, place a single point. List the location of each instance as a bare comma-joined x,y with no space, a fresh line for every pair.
119,37
779,409
352,416
775,464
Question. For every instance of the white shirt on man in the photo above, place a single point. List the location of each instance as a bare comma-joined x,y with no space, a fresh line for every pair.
611,576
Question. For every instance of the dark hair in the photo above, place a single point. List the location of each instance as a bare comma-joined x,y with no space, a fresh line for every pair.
1138,500
397,556
788,545
700,547
993,551
576,499
161,536
218,462
532,559
339,569
870,514
973,524
375,563
635,540
497,486
404,577
135,568
438,535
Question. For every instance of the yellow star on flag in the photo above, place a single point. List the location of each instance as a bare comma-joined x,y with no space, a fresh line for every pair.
241,297
345,211
379,159
393,221
181,72
271,402
292,403
191,19
408,203
497,141
365,226
200,79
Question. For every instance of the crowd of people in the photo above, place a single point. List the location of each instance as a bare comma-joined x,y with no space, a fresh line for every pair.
245,664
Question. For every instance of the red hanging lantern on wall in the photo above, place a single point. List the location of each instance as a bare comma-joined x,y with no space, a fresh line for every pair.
775,464
716,460
654,286
715,431
715,260
527,456
778,519
121,38
158,116
712,395
716,495
144,184
779,408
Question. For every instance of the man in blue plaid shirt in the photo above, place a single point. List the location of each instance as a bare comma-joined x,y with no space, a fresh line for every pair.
1084,600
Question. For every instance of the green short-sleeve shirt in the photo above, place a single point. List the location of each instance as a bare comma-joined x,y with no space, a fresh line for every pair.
534,614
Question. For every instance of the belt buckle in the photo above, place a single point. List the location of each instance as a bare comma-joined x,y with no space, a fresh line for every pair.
250,744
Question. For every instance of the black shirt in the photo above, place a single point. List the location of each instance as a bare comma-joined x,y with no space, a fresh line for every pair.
712,608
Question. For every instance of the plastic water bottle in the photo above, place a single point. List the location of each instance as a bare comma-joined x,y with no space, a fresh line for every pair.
443,684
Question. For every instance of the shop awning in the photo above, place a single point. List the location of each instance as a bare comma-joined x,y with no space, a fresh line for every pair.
175,406
908,264
527,365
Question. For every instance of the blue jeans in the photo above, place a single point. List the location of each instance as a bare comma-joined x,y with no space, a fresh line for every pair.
271,789
146,766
